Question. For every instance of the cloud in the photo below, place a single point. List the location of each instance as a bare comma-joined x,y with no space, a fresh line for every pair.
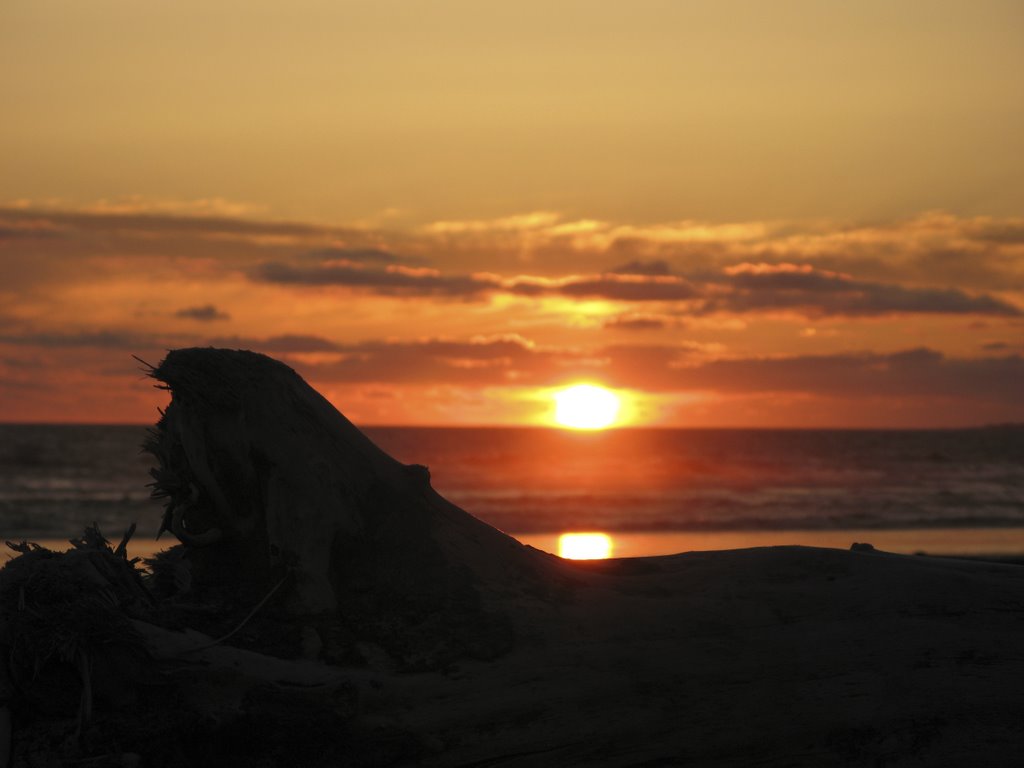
998,346
204,313
931,263
90,287
934,248
915,373
391,280
1002,232
822,292
483,360
490,361
26,231
101,339
360,256
287,343
658,267
914,380
536,220
63,247
743,288
918,373
430,282
616,287
684,367
636,323
207,206
140,219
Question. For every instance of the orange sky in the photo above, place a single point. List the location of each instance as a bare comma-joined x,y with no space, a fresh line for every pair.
740,214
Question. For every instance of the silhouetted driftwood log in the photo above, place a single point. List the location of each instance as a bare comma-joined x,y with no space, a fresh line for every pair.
328,608
265,481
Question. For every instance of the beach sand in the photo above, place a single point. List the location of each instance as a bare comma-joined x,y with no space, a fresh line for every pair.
763,656
772,656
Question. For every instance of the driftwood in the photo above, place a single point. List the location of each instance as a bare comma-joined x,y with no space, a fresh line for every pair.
327,607
265,480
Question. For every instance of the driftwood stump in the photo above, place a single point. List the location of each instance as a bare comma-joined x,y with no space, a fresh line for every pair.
266,481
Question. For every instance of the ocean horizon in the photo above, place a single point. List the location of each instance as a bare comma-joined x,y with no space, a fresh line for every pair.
654,489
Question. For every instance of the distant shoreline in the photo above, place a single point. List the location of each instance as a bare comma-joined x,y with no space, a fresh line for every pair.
1010,426
982,544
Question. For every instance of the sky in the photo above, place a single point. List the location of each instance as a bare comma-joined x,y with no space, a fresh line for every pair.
735,213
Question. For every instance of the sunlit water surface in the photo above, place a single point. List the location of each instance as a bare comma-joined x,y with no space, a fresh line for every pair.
651,491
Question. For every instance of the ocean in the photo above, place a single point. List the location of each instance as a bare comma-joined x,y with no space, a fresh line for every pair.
652,490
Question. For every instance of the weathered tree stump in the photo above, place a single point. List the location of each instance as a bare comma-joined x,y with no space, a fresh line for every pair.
266,481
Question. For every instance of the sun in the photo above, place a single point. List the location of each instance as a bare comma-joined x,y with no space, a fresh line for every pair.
585,546
586,406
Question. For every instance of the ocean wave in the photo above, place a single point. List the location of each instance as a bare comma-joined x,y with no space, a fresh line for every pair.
54,480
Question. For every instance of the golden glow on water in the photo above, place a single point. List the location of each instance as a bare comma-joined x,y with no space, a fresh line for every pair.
586,406
934,541
585,546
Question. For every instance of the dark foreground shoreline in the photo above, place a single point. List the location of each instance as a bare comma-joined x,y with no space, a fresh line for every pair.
776,656
1004,559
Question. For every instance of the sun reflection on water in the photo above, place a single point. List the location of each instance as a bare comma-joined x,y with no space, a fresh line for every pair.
585,546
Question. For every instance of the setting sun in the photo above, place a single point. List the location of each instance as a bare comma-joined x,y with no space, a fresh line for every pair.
585,546
586,406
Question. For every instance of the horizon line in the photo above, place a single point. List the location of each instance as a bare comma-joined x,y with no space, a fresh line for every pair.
556,428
